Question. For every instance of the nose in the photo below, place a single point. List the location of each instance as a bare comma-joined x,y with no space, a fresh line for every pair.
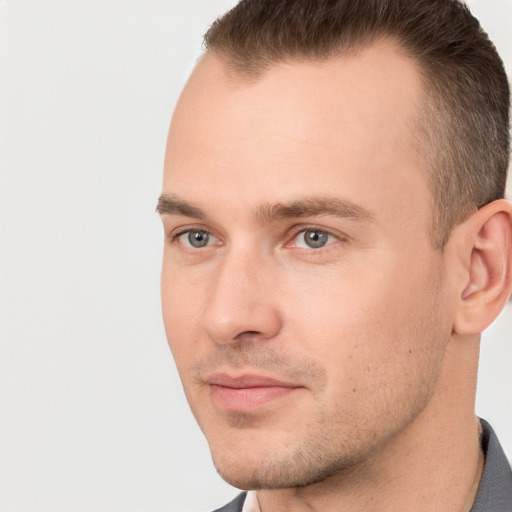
242,303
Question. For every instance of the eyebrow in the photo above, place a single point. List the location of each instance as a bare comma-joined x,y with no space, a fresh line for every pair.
312,207
172,205
268,212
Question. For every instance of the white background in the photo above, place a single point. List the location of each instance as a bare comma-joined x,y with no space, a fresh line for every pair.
92,413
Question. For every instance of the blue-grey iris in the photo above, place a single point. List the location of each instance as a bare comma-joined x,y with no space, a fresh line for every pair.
315,239
198,238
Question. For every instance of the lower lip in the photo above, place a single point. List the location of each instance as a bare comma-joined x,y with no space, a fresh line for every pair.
247,399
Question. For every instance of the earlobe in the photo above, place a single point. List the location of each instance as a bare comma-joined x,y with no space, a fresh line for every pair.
488,276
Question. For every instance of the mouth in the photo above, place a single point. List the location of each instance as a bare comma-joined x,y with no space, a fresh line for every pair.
246,393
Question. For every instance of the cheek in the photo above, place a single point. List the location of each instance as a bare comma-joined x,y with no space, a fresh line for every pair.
180,312
369,327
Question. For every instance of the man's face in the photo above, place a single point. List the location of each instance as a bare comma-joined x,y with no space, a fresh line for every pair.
302,299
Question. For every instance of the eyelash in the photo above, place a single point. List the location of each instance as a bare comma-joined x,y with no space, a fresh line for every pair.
319,230
174,237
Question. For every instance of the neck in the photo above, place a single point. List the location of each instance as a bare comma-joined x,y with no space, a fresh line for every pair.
435,463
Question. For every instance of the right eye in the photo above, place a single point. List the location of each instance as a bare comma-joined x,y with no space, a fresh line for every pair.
196,238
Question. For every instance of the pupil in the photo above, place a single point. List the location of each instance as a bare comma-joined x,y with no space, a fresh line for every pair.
315,239
198,238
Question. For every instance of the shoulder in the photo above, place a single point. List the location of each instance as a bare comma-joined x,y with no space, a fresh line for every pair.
495,490
234,506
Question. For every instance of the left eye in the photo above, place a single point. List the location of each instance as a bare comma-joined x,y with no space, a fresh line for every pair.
313,239
196,238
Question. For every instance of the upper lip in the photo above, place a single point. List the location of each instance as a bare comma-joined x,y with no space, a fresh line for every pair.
246,381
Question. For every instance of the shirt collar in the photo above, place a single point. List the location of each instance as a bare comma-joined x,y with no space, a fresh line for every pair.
495,489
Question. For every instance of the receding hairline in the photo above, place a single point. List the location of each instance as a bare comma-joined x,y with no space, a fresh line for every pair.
423,122
254,69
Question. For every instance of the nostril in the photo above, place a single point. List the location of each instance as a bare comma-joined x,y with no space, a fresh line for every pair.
249,337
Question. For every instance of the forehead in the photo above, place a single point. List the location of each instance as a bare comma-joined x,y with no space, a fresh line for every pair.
375,84
299,128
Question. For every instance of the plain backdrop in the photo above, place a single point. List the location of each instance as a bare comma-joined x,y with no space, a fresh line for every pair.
93,417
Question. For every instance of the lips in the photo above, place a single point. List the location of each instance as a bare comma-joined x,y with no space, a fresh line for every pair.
247,393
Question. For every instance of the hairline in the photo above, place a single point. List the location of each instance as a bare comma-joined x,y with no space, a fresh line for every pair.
426,123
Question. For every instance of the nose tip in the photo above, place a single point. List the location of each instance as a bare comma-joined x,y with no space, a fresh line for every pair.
241,326
241,306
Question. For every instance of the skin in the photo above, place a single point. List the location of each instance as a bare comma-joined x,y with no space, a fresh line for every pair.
378,413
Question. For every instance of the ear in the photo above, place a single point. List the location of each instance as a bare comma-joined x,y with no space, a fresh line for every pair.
486,255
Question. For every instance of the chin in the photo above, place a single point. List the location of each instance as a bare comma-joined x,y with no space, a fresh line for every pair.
279,469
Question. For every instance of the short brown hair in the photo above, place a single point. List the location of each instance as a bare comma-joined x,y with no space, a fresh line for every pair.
463,126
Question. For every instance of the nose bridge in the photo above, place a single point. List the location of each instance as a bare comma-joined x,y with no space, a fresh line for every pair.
241,299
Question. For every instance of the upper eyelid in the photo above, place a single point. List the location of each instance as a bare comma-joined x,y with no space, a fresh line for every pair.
288,236
172,235
296,230
173,238
295,242
180,230
211,238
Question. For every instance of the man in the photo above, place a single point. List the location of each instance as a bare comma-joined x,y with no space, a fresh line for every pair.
336,241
